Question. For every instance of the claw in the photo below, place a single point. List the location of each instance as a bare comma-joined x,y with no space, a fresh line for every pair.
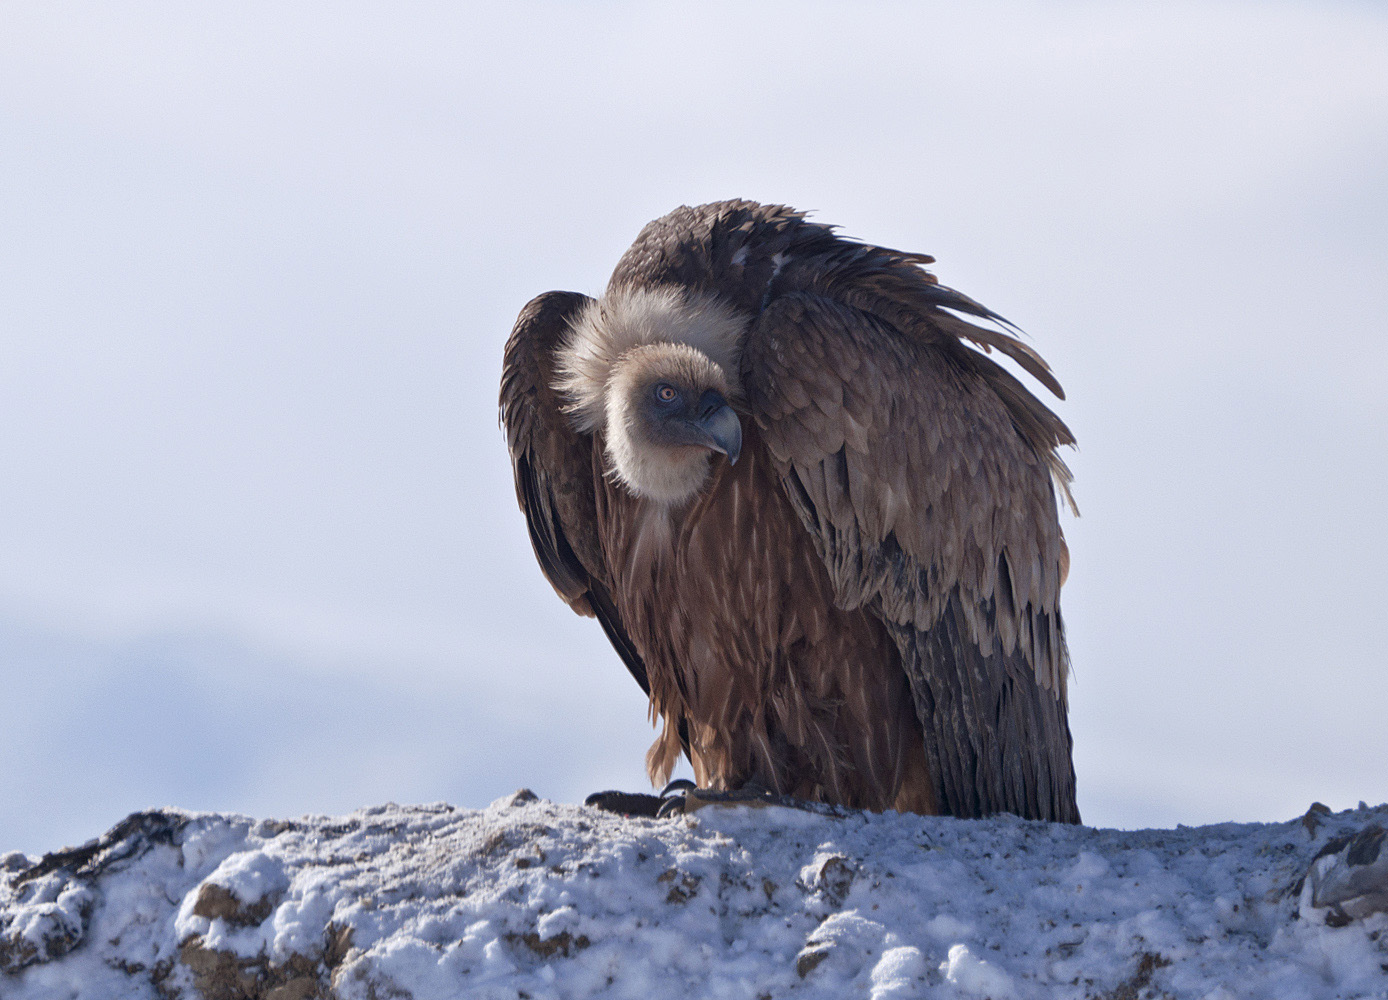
675,805
678,785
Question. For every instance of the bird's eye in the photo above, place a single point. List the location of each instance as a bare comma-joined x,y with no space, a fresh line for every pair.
666,393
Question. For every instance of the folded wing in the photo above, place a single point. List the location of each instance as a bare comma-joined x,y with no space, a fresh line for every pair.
926,476
554,470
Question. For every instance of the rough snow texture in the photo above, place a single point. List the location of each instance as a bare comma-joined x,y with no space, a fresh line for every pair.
528,899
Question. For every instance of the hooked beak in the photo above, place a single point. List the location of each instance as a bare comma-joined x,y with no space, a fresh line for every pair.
718,428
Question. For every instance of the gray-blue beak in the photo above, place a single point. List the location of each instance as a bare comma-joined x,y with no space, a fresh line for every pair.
717,426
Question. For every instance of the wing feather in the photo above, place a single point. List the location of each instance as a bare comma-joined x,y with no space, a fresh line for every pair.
924,474
553,468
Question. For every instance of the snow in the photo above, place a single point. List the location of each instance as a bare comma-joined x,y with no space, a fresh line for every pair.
529,898
974,976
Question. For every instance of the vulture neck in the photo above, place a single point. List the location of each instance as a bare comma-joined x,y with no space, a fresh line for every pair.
654,532
653,539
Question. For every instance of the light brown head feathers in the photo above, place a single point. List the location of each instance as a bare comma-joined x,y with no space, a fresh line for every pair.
608,327
625,343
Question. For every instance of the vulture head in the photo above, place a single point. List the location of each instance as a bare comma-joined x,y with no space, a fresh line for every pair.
655,371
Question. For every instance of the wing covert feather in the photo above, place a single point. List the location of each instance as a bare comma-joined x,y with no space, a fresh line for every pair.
931,508
553,469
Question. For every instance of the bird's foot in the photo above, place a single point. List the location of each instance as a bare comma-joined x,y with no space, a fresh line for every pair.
639,803
682,798
691,799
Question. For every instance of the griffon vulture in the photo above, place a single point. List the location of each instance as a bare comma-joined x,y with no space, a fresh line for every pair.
819,528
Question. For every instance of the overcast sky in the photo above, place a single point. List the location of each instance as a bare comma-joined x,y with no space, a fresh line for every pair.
259,549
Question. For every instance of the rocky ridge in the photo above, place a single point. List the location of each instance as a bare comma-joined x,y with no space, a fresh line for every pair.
532,899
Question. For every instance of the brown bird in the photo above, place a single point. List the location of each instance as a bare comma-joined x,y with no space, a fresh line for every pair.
818,527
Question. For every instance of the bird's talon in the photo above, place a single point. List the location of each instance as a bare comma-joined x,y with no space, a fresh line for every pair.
673,806
691,799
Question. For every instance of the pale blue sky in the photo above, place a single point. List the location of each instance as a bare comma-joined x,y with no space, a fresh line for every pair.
257,265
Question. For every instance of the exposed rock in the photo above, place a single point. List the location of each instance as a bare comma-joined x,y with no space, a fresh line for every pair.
224,975
1349,876
51,900
218,903
49,921
562,944
1147,964
830,876
809,958
683,886
1312,819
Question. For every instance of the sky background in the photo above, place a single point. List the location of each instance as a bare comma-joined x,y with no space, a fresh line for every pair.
259,549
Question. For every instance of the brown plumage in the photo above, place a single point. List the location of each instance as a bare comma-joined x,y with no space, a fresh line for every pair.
819,529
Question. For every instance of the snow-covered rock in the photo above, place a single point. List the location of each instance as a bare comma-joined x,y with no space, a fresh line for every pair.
530,899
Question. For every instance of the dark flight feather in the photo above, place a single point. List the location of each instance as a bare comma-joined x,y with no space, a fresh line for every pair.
553,469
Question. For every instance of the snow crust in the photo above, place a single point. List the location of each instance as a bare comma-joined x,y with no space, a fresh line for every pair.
532,899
